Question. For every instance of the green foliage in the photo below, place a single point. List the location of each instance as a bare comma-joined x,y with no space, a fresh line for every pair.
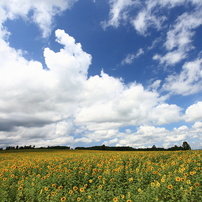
186,146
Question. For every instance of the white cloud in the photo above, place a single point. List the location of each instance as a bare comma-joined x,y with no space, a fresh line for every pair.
118,12
179,38
188,81
39,109
140,22
164,114
155,85
131,57
43,11
35,102
147,135
146,19
128,59
131,106
146,13
194,113
152,14
197,125
61,101
170,58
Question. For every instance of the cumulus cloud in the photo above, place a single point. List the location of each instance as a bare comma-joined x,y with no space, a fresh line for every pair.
147,135
130,106
194,113
188,81
33,97
63,101
39,12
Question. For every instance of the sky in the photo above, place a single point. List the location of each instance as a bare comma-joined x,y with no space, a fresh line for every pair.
91,72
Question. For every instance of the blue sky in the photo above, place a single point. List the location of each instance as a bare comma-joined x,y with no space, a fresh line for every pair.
117,72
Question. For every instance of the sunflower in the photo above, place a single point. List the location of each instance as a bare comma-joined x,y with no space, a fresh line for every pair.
63,199
170,186
46,188
196,184
12,175
115,199
82,189
186,174
162,180
60,187
75,188
192,172
70,192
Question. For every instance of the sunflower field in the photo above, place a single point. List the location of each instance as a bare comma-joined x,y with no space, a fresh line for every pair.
99,176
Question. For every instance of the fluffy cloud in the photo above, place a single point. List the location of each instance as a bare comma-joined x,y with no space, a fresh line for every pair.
33,97
62,100
188,81
194,112
43,11
132,105
147,135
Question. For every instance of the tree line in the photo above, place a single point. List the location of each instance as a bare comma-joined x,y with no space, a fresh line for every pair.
185,146
33,147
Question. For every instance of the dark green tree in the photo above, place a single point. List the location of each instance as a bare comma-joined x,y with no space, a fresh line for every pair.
186,146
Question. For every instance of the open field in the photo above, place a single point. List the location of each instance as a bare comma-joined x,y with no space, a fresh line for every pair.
96,176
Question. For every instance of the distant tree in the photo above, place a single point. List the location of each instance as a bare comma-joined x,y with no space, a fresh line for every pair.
103,147
186,146
10,148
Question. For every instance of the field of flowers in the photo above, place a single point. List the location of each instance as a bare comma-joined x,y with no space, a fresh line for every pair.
98,176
